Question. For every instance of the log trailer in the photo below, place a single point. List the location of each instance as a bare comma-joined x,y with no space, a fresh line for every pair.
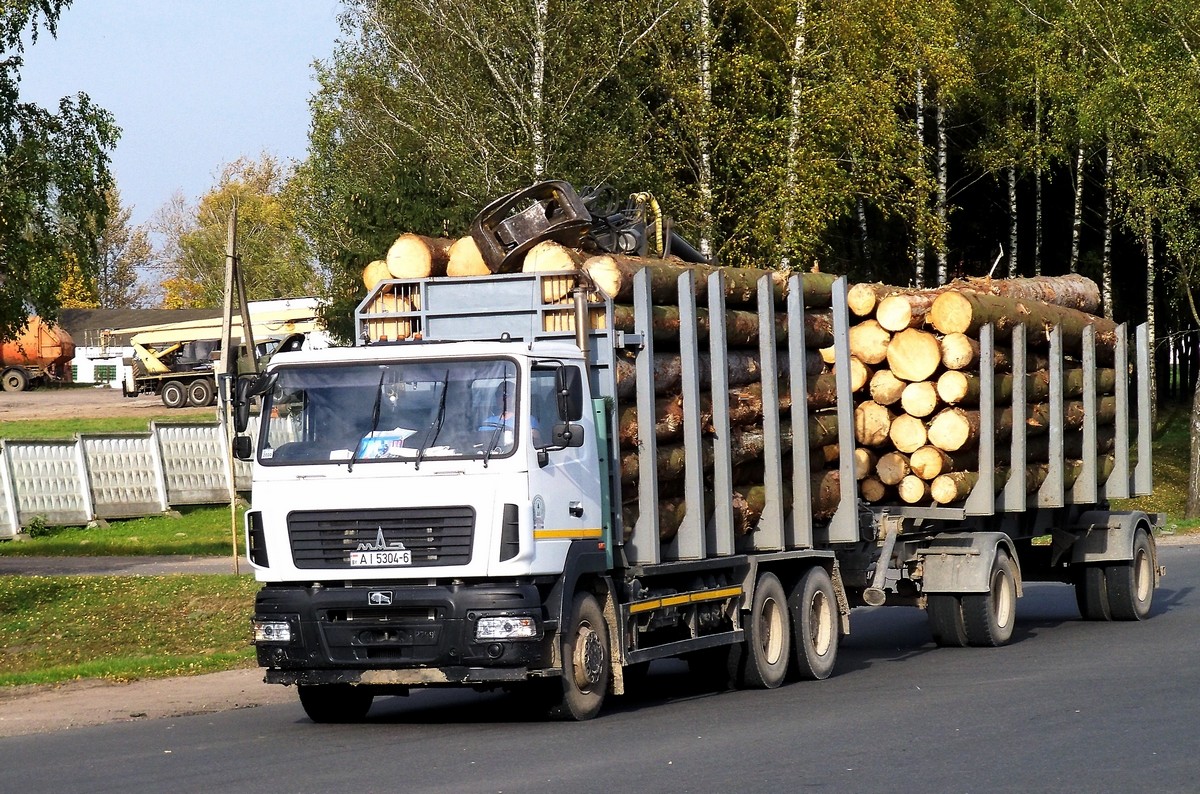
175,360
406,537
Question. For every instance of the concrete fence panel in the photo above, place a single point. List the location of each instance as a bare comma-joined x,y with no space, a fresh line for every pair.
195,463
125,474
50,481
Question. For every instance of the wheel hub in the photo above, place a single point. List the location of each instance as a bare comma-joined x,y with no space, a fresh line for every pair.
589,658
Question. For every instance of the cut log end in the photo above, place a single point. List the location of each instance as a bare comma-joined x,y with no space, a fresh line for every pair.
913,355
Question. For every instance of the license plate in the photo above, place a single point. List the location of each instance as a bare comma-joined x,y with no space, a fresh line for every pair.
373,559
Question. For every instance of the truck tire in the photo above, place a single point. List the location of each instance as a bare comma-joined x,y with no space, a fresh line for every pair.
761,659
200,392
1091,592
1130,584
587,662
989,617
946,620
813,605
335,702
15,379
173,394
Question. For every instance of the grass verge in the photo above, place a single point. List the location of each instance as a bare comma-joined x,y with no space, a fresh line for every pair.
67,428
61,628
198,530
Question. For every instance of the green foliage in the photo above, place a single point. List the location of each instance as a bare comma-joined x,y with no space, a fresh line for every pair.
66,428
273,254
55,172
61,628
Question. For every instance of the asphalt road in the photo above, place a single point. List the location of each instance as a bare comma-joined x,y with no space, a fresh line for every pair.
1069,706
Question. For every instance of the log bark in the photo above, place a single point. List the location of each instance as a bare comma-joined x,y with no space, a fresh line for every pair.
742,366
614,274
907,433
869,342
919,399
886,388
465,259
1071,291
967,312
913,355
417,256
741,327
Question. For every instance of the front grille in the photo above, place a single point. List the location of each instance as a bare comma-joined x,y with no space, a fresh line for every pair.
436,536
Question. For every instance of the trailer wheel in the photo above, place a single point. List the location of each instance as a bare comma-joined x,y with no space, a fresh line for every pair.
15,380
814,624
761,659
1130,584
586,662
946,620
335,702
200,392
1091,592
989,617
173,394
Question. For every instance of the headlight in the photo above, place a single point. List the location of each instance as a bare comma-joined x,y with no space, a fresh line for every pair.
506,628
272,631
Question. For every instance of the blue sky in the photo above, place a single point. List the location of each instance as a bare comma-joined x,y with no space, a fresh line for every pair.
193,84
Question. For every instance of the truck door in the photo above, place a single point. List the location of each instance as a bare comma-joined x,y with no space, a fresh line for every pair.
565,493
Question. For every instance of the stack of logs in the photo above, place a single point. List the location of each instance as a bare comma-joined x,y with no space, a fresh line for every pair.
914,372
919,419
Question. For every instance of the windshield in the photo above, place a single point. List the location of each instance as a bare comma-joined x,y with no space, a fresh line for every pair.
414,411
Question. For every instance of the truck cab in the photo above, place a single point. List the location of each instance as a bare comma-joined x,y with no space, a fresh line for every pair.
403,475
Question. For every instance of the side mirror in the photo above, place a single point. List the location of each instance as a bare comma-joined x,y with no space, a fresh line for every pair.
567,435
242,449
568,387
241,406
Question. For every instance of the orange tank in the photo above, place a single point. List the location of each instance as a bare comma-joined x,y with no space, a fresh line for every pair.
41,345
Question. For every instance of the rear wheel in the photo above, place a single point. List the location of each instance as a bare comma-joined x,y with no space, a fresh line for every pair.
335,702
200,392
173,394
989,617
761,659
1130,585
946,620
15,380
1091,593
814,611
587,662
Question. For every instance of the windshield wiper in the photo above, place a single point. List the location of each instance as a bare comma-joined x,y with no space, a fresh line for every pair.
374,420
496,432
436,426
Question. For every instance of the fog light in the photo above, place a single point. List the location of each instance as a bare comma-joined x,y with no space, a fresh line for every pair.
272,631
506,628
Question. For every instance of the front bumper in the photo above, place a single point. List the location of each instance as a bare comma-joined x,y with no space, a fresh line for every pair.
393,633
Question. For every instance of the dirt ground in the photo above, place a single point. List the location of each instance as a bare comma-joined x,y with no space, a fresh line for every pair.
89,403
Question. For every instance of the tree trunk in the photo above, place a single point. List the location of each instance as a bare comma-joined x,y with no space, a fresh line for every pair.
913,490
549,256
907,433
943,204
891,468
743,367
886,388
872,490
919,226
967,312
741,327
902,310
1037,175
465,259
799,48
1106,262
1012,221
704,177
374,273
416,256
868,341
862,298
865,461
1077,222
919,399
1069,291
1148,243
871,423
913,355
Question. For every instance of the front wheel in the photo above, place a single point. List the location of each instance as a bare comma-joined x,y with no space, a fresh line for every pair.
586,662
1130,585
761,659
335,703
814,624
